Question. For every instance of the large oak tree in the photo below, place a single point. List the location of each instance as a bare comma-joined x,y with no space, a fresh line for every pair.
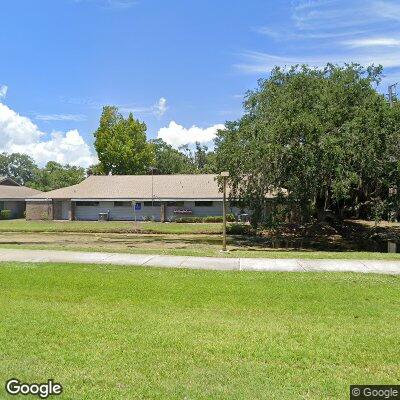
326,136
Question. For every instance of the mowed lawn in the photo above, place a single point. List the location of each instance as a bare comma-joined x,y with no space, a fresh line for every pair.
21,225
109,332
177,239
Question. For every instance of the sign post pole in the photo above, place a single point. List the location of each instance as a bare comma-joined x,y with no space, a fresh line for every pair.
134,209
224,175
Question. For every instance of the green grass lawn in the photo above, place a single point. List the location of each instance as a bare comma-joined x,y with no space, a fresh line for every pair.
202,245
215,251
125,333
21,225
155,238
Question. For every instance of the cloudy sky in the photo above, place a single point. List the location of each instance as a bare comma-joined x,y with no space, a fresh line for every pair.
181,66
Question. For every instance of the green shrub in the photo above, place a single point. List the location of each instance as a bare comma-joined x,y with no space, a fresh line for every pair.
189,219
231,218
217,218
239,229
148,218
5,214
213,219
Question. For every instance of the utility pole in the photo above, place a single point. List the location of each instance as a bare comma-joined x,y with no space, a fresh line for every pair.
392,190
392,93
152,185
224,175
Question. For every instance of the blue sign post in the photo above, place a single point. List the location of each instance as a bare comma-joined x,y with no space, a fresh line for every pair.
136,207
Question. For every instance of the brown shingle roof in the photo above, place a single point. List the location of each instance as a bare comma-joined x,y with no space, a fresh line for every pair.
140,187
5,180
17,192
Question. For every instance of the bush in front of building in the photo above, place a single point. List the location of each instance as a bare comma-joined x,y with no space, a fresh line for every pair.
5,214
229,218
147,218
240,229
189,220
212,219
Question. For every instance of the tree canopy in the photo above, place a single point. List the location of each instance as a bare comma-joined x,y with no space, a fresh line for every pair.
55,176
201,160
325,136
121,144
22,169
122,149
169,160
19,167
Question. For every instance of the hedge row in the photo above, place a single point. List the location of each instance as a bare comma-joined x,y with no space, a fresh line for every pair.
229,218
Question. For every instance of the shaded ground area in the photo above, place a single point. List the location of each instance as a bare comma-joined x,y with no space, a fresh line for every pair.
185,245
124,333
118,242
351,239
355,235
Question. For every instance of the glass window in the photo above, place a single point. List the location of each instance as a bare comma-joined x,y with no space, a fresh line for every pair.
122,204
203,203
175,203
87,203
154,203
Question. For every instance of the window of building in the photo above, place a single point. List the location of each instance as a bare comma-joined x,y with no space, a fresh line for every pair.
1,205
152,203
235,203
203,203
122,203
87,203
175,203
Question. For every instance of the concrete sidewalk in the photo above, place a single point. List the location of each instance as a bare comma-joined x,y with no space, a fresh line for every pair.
212,263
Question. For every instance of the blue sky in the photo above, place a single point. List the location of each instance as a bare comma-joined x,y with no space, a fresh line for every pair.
175,64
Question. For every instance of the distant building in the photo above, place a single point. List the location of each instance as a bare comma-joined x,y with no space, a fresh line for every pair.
13,195
131,197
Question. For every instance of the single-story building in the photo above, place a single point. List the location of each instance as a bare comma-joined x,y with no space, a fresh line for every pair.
13,195
131,197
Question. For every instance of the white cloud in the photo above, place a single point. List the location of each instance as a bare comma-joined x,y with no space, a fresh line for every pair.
60,117
161,107
324,19
334,14
372,42
3,91
362,31
20,134
176,135
258,62
16,129
158,109
286,35
387,9
323,15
